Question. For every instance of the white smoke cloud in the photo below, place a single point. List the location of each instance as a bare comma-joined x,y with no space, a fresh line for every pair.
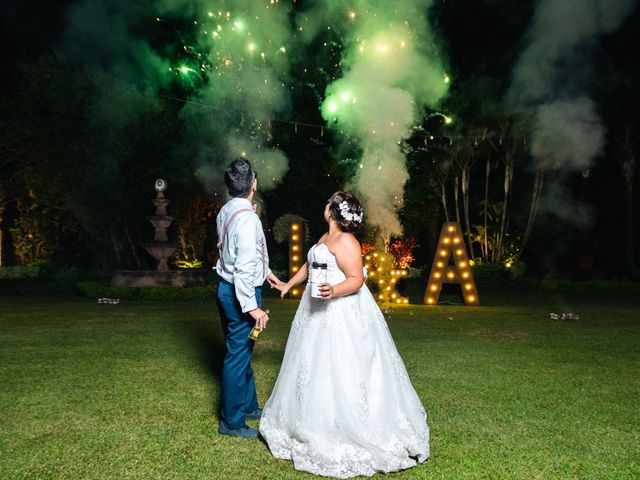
551,86
392,70
567,134
270,164
237,67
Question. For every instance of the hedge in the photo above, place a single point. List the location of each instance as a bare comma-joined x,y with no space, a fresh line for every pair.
97,290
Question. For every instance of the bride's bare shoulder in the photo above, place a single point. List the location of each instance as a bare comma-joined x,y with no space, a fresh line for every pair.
348,240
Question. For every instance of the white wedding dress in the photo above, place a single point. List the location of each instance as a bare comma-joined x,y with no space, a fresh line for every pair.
343,404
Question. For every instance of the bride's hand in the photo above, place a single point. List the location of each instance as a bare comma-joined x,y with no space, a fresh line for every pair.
326,290
284,288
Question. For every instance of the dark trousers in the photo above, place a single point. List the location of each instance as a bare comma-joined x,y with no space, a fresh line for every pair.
238,385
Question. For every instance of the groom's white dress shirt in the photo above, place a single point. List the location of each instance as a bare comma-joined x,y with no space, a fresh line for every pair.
244,260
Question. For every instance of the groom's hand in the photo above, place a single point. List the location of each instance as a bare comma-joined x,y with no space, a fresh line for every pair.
274,281
261,318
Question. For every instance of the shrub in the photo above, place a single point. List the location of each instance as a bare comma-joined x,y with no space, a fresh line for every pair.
279,261
496,274
97,290
281,227
29,271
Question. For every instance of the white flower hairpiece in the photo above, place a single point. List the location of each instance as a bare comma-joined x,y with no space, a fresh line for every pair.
344,211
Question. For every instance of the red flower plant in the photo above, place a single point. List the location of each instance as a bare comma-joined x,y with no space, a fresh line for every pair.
402,251
366,248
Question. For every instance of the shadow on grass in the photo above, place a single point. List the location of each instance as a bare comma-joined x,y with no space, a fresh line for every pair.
204,336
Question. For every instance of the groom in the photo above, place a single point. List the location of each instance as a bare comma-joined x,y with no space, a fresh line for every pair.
243,266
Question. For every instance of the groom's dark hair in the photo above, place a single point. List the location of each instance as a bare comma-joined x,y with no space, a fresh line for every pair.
239,177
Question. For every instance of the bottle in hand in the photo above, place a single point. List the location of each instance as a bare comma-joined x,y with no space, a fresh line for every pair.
253,335
317,276
255,331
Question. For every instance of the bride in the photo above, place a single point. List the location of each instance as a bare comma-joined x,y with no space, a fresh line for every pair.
343,404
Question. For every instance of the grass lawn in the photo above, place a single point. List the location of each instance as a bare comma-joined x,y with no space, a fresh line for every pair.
131,390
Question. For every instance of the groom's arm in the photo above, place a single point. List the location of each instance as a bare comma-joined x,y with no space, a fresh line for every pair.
246,263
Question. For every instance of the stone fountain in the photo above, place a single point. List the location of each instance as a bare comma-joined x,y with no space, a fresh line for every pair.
160,249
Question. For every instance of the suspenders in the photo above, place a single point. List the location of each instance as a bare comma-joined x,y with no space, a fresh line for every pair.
223,237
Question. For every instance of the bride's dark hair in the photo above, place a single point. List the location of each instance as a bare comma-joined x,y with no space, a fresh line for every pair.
346,210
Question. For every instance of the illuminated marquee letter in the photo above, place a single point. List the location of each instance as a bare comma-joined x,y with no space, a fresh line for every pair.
296,255
451,244
381,271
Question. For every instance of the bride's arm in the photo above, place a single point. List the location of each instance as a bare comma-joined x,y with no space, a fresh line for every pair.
349,259
300,276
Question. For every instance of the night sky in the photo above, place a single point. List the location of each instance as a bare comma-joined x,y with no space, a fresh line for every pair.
484,47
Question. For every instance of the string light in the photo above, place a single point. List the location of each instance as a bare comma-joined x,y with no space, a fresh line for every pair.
319,127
